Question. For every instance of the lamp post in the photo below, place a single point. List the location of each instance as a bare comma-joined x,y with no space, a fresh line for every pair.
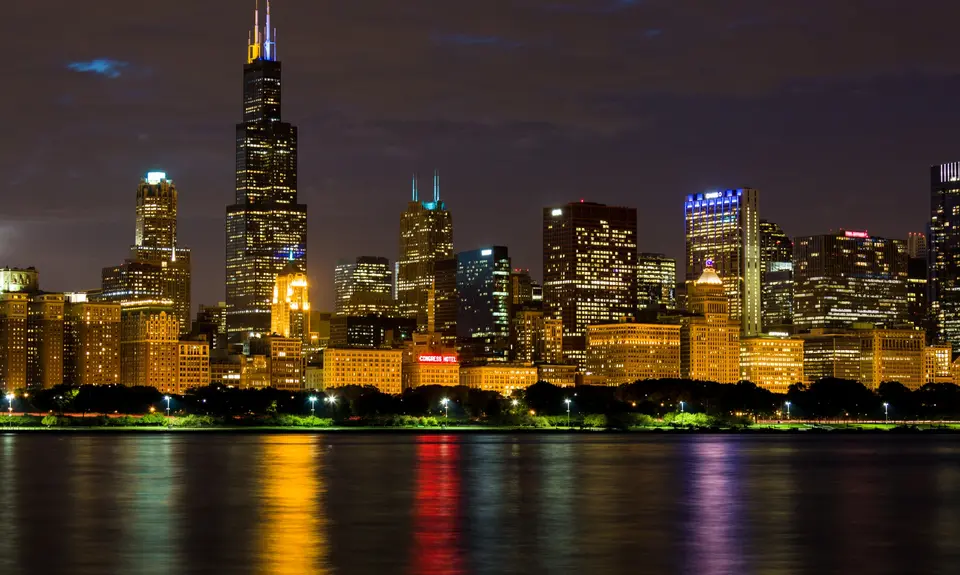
446,407
514,402
167,398
567,401
10,398
886,412
313,405
681,406
788,409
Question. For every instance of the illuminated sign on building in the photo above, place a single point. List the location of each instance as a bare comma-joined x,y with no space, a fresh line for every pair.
486,253
557,212
711,195
153,178
854,234
437,359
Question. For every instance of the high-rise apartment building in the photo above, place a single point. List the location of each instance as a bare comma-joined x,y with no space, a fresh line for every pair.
45,314
445,300
266,226
193,365
13,340
149,353
286,363
943,252
709,338
656,281
626,352
723,227
290,310
364,287
849,277
91,336
534,337
483,313
589,269
917,245
157,268
426,236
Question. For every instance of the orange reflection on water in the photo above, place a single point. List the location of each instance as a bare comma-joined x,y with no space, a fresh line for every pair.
293,538
436,507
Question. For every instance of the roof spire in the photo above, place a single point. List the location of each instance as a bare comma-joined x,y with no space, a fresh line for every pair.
254,45
414,183
269,42
436,185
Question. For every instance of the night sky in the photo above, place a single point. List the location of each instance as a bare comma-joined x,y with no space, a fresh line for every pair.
834,110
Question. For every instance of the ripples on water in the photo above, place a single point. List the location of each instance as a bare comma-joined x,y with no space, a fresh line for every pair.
484,504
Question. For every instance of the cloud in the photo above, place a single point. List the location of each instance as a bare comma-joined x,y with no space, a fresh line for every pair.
102,66
472,40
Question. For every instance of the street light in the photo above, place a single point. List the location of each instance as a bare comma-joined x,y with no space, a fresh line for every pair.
10,398
446,407
788,410
313,405
681,406
515,402
167,398
886,412
567,401
331,399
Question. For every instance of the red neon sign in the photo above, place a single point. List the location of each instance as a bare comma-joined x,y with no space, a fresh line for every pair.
852,234
438,359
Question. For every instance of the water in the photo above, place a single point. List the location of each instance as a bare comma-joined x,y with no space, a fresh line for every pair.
421,504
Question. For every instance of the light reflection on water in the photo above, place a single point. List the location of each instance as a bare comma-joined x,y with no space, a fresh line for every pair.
485,504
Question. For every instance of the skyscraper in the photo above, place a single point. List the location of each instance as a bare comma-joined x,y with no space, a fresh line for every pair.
776,279
943,252
426,236
157,268
266,227
483,315
589,268
445,300
710,339
849,277
91,337
724,226
290,310
149,353
917,245
656,281
364,287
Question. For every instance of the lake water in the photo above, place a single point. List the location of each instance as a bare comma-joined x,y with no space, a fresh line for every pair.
422,504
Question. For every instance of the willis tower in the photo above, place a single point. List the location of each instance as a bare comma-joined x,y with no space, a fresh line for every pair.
266,227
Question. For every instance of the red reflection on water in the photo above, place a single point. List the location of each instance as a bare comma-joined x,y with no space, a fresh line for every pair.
436,506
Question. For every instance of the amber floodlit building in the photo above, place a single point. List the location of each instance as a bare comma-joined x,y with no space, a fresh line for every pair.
91,351
290,312
709,339
504,378
426,361
45,341
149,354
774,363
13,340
892,355
286,363
937,364
193,368
379,368
619,353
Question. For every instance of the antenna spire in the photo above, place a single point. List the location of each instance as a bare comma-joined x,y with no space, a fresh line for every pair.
436,185
268,43
254,45
414,184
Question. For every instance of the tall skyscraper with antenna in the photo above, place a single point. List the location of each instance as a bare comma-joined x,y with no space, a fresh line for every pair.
426,236
266,227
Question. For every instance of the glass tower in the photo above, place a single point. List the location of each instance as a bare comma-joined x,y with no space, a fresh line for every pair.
266,227
943,252
483,313
364,287
723,227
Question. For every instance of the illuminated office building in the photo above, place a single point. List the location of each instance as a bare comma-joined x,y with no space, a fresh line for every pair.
426,236
775,246
379,368
521,288
193,365
892,355
917,245
266,227
656,281
589,269
45,314
776,279
830,354
149,353
364,287
723,226
157,268
483,313
709,338
445,300
290,310
558,374
19,280
773,363
626,352
371,331
13,340
504,378
943,252
849,277
211,325
91,337
427,361
917,303
286,363
938,364
534,337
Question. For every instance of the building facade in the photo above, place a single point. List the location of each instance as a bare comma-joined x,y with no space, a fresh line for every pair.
773,363
290,312
709,337
149,352
19,280
938,364
534,337
892,355
45,344
426,236
364,287
504,378
849,277
193,365
266,226
589,269
446,302
13,340
943,252
427,361
619,353
483,312
91,334
286,363
379,368
723,228
830,354
656,281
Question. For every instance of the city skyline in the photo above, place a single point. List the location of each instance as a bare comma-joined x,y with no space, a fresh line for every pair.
121,117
